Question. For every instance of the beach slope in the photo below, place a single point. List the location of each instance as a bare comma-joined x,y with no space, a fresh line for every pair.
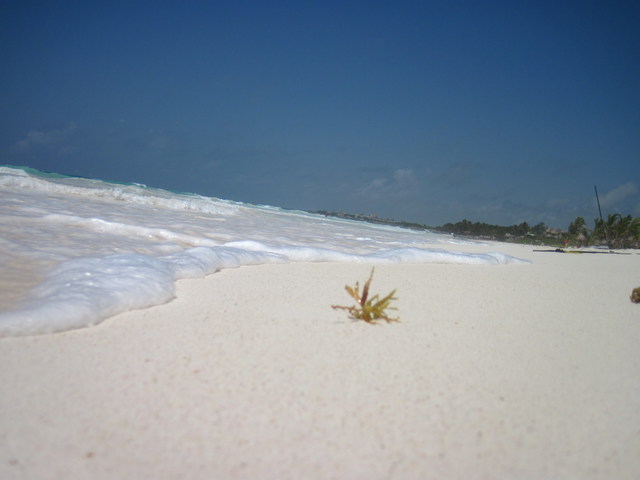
524,371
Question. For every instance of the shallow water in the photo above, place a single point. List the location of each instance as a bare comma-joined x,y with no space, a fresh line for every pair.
74,251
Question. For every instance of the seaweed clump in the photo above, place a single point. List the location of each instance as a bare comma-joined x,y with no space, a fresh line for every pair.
369,309
635,295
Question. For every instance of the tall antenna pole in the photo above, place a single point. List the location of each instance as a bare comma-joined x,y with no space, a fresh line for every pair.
604,227
598,200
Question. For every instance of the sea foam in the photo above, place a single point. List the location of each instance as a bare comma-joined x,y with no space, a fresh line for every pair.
87,249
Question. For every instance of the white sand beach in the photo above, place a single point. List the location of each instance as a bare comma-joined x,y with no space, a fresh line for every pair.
511,371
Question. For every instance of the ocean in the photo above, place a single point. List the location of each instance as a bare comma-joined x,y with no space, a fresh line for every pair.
74,251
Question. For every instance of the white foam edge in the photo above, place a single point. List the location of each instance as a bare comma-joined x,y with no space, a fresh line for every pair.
135,193
393,255
84,291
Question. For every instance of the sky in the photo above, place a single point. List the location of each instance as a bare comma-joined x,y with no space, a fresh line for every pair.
429,111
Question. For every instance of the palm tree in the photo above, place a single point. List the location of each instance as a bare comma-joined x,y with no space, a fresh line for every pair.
618,231
626,230
578,226
599,233
578,229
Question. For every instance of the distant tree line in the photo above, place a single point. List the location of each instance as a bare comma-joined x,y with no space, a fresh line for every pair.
361,217
616,231
499,232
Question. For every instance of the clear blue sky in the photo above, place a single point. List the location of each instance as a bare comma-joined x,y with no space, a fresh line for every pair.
429,111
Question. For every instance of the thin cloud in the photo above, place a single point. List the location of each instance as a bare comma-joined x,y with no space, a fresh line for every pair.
159,142
400,183
458,174
53,138
619,194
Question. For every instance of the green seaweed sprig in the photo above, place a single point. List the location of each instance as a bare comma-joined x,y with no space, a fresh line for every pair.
369,309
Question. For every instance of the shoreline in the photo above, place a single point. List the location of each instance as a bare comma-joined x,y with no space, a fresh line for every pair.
500,371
